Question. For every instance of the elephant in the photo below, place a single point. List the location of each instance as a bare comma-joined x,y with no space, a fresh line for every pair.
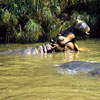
75,67
62,42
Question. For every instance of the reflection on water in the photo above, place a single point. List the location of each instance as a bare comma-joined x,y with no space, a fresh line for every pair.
35,77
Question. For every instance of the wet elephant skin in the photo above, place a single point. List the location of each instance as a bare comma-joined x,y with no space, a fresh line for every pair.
74,67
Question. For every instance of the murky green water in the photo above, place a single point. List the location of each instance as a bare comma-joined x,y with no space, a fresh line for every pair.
36,78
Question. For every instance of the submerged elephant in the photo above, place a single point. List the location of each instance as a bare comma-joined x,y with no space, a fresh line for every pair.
45,48
75,67
66,40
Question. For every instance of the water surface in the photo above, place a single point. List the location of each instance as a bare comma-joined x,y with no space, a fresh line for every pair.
36,78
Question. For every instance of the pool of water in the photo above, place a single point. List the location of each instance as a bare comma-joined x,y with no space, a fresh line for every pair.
36,78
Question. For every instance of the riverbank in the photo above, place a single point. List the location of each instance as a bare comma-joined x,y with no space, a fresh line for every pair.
39,21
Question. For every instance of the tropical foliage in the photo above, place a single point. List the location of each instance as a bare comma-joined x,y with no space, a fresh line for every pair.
31,21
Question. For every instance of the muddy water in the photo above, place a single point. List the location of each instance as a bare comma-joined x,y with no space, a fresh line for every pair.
35,77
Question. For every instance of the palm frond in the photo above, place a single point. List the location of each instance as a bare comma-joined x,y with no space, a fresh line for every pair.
33,29
46,14
5,16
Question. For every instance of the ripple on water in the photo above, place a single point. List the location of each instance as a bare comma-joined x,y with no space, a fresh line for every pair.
36,77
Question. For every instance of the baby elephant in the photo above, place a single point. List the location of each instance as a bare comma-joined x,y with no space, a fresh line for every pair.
67,39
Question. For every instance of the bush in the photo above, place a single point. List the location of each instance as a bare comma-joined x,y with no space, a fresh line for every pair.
32,32
34,20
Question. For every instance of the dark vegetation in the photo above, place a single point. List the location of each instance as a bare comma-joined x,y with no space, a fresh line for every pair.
28,21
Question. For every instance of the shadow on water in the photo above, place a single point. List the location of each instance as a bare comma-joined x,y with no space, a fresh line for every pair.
36,78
